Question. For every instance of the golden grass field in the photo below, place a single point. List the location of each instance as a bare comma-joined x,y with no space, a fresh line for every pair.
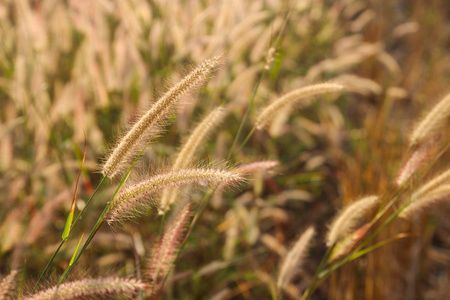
266,149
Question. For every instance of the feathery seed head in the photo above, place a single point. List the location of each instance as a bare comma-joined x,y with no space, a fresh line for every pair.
137,196
156,114
425,200
294,258
184,157
164,253
414,161
197,137
89,288
345,245
347,219
6,284
292,98
432,123
431,185
257,166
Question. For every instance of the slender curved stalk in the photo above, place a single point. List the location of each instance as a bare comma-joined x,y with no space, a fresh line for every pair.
88,202
241,125
48,265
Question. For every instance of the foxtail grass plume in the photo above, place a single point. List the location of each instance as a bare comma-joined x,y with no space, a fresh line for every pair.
89,288
231,235
347,219
7,284
257,166
432,123
414,161
432,197
165,252
292,98
186,154
294,258
148,123
345,245
140,195
436,182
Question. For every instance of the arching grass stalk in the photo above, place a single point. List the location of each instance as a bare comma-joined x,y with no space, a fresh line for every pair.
249,107
100,220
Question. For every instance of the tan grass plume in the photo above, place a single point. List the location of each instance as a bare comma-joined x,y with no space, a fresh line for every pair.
434,191
292,98
415,161
436,182
156,114
257,166
140,195
294,258
165,252
88,288
432,123
426,200
7,284
186,154
347,219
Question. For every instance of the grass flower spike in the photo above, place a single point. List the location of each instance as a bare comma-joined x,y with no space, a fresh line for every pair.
88,288
346,220
294,258
432,122
132,199
165,252
153,117
186,154
431,185
292,98
417,204
414,161
258,166
6,284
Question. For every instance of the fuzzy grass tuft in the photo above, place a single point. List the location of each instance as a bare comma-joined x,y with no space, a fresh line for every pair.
122,152
186,154
88,288
140,195
7,284
432,123
165,252
294,258
292,98
347,219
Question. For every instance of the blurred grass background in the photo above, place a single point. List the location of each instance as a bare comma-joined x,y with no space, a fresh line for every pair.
70,69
